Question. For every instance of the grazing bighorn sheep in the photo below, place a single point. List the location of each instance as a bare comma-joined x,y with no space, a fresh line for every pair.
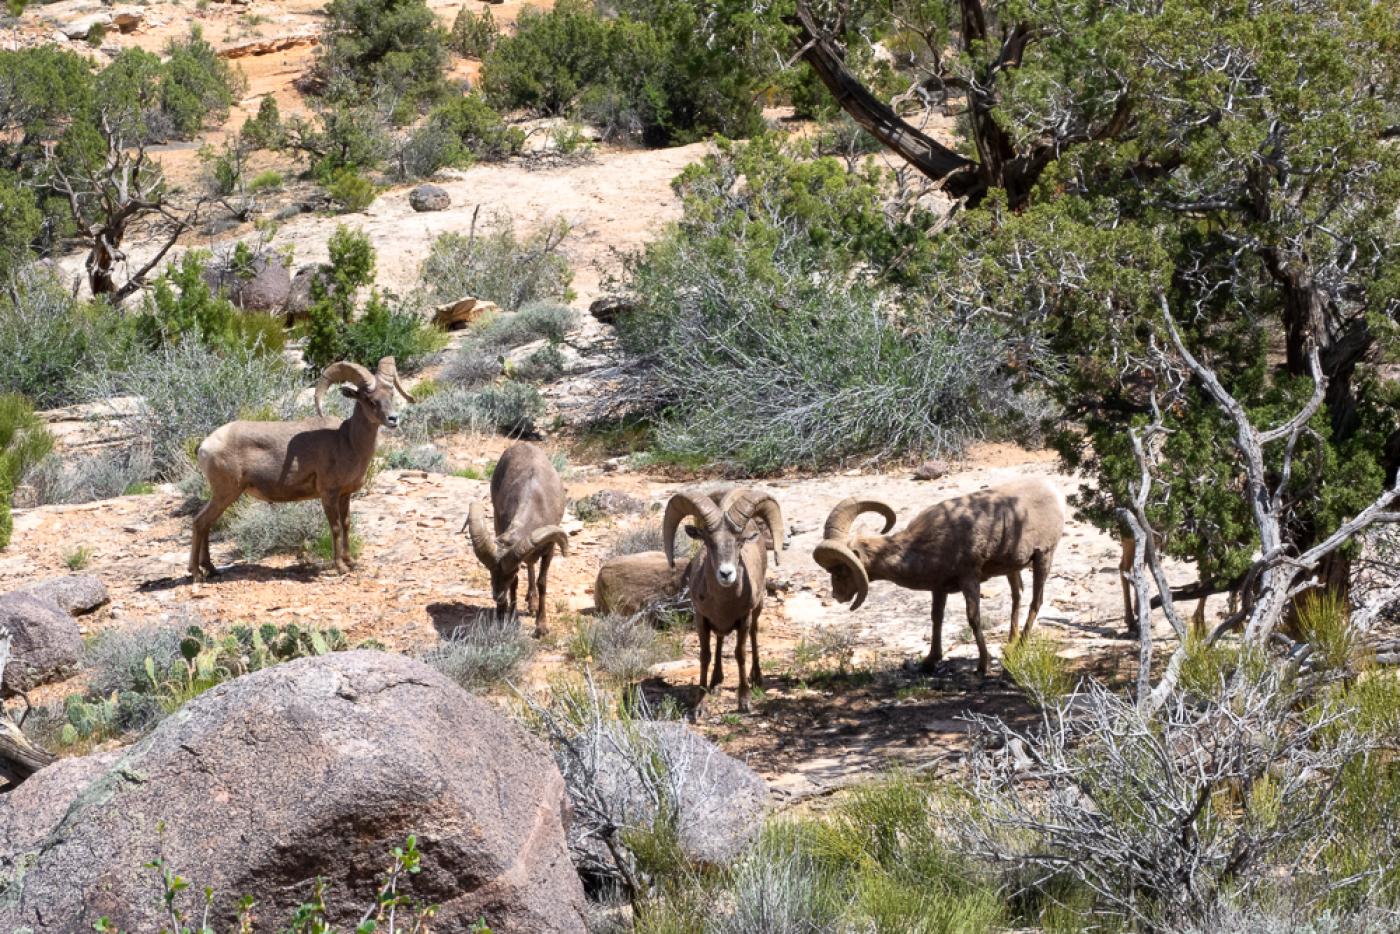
527,498
628,584
727,578
951,546
282,462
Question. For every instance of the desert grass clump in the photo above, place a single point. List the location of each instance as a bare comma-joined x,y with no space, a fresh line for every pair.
1033,662
423,457
483,654
624,647
538,320
85,479
498,266
262,529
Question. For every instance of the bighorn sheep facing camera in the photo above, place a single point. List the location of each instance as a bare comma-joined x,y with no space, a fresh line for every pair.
527,498
282,462
950,547
728,577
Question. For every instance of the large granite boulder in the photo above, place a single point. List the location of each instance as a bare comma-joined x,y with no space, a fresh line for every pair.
314,768
265,285
45,642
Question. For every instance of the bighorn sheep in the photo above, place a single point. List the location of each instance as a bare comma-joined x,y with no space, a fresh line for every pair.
628,584
282,462
727,578
950,547
527,498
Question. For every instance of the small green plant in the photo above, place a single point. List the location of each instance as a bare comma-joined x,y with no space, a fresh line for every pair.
1033,662
78,558
1324,622
24,442
473,35
270,180
95,34
350,191
139,488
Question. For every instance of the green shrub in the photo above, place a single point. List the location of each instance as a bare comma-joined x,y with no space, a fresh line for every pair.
622,646
24,441
49,340
336,330
343,135
181,305
473,35
423,457
478,130
185,390
498,267
1034,663
83,480
381,45
663,71
542,366
269,180
426,150
262,529
197,87
482,654
264,130
784,284
510,408
350,191
95,34
534,321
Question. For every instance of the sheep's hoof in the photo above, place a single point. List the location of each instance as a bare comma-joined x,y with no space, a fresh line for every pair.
743,706
541,632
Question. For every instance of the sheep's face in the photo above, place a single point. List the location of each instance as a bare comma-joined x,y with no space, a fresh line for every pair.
843,583
724,546
380,403
503,578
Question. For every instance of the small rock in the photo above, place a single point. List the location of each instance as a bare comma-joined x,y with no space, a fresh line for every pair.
74,593
931,470
45,642
454,316
614,503
611,307
429,198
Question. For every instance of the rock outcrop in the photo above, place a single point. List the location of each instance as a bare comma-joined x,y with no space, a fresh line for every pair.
314,768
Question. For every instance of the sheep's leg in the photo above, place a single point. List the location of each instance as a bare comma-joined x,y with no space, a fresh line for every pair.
1014,579
717,673
704,651
935,648
345,527
530,605
739,638
973,598
200,565
1040,572
541,604
514,591
330,502
756,676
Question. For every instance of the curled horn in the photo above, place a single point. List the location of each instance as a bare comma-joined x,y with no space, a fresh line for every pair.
838,523
742,505
389,372
531,545
685,504
833,552
483,542
343,372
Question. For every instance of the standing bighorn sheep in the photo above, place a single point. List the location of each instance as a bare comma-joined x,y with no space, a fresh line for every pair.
527,498
282,462
950,547
728,577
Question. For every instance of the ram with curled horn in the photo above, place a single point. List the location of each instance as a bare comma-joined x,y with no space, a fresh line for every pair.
728,576
950,547
316,458
527,501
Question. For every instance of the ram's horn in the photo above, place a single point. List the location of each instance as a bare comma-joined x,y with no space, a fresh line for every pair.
483,542
838,523
744,505
388,371
531,545
343,372
685,504
833,552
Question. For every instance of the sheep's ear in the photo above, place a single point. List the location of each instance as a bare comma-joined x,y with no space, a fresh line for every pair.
349,393
693,532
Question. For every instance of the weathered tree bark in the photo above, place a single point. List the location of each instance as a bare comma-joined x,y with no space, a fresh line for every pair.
960,175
